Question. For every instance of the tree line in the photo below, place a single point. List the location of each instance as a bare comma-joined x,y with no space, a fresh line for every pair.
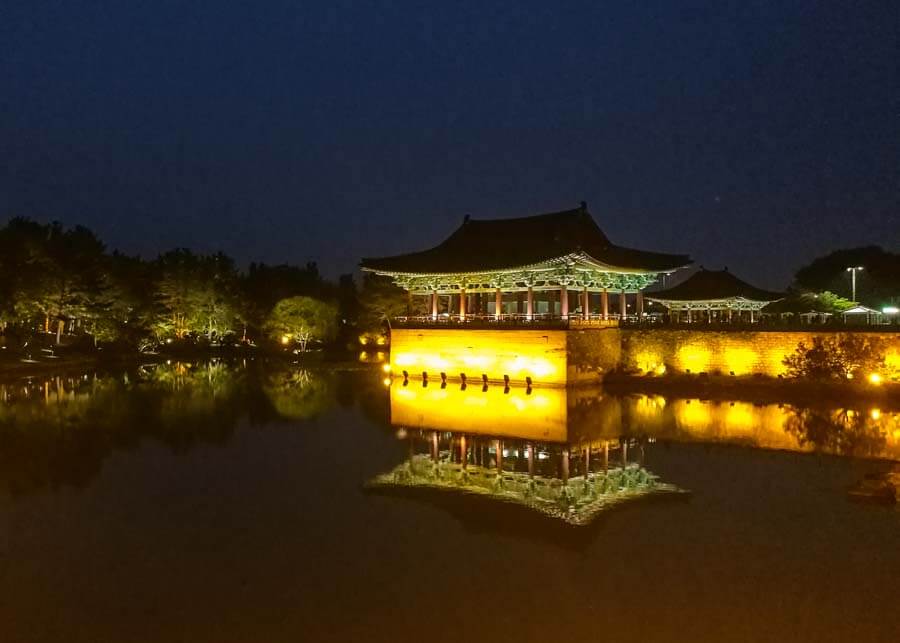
62,286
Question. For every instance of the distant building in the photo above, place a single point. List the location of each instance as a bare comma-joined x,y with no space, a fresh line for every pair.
550,266
714,295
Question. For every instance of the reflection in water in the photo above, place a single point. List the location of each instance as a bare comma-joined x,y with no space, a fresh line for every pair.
516,446
566,481
298,394
548,449
560,415
58,430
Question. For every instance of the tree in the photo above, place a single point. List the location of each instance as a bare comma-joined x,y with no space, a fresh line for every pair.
302,320
877,283
196,294
846,356
380,302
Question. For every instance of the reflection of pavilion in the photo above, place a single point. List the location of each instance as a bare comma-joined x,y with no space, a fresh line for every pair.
572,453
514,447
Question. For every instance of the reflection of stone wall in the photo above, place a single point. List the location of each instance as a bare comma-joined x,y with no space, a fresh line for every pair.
743,353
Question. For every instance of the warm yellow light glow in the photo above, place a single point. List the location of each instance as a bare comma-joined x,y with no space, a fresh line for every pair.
649,362
386,368
380,341
539,416
739,360
692,414
875,414
694,357
875,378
285,339
386,381
363,339
540,355
740,417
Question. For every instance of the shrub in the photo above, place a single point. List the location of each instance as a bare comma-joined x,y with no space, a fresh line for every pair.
844,356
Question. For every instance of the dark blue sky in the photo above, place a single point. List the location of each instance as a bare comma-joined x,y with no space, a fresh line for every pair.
752,134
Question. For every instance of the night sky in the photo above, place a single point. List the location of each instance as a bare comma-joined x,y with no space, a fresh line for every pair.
756,135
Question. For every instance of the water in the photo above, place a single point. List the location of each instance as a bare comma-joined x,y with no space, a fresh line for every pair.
258,503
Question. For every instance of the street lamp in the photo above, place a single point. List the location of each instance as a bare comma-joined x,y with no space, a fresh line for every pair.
852,270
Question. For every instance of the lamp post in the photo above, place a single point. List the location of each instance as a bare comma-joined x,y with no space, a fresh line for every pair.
852,270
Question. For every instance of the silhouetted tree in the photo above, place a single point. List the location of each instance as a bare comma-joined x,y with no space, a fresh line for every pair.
877,284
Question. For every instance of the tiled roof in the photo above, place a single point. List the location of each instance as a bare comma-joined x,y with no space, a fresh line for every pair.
495,244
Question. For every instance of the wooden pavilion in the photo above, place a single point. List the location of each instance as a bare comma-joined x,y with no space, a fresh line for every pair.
714,295
525,269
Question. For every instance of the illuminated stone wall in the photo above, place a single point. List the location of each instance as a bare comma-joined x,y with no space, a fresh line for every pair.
559,357
743,353
538,354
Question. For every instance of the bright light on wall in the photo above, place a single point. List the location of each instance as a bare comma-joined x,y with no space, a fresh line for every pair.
540,355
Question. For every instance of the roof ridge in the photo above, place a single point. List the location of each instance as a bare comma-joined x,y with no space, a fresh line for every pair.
570,211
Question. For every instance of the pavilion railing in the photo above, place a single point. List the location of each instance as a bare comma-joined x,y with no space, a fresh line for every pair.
515,320
576,320
765,323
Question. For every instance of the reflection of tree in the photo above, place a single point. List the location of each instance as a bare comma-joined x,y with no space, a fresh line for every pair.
59,431
841,431
299,394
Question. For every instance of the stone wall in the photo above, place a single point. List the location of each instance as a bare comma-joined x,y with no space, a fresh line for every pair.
742,353
592,352
565,357
538,354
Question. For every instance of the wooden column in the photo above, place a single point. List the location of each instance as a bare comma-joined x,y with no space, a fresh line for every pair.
586,305
564,465
434,305
498,304
462,303
623,305
435,451
463,452
604,304
498,446
564,302
639,304
531,460
529,304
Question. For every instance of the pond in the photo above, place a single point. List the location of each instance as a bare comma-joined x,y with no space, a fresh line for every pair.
270,502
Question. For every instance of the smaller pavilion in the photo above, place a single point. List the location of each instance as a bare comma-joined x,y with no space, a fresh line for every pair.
714,295
861,314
